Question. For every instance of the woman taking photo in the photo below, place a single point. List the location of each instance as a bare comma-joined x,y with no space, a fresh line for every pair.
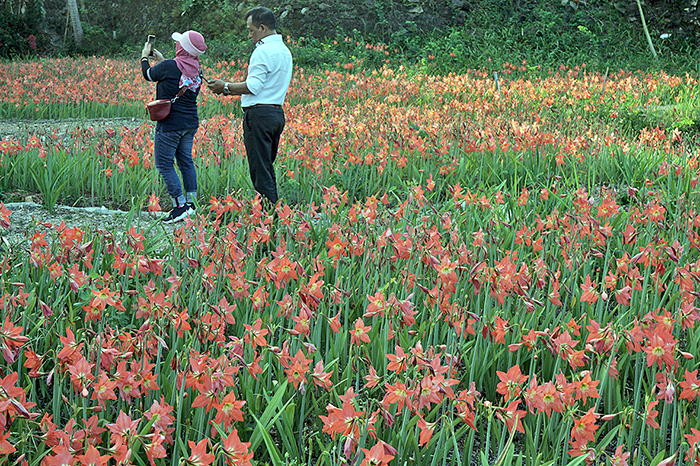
175,133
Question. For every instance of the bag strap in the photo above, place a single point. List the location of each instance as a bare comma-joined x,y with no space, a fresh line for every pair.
179,94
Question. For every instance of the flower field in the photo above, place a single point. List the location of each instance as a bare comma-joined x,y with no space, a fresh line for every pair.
461,270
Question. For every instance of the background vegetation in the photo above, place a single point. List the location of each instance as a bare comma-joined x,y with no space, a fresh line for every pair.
451,35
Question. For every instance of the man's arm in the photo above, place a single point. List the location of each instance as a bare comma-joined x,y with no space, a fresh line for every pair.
217,87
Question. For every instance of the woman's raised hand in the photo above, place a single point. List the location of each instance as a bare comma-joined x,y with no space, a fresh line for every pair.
158,56
146,52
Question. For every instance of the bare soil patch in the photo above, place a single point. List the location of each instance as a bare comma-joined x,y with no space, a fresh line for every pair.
16,128
28,218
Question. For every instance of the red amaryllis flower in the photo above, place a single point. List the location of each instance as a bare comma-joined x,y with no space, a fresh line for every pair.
11,340
590,295
359,333
376,456
199,455
92,457
228,410
237,453
124,430
585,427
691,385
4,216
6,447
509,386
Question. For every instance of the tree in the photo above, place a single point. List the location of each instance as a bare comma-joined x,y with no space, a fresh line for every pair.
78,35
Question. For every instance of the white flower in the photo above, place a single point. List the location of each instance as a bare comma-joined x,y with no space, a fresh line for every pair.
665,35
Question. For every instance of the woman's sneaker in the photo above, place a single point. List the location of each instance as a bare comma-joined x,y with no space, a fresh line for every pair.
179,213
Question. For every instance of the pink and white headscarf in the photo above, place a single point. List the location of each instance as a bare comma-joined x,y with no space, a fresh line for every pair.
190,45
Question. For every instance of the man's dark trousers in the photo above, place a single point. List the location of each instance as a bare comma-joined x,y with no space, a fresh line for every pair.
262,128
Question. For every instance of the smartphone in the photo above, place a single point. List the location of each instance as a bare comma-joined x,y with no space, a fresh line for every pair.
151,41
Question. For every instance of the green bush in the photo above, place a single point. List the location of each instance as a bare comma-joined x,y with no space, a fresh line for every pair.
439,36
19,30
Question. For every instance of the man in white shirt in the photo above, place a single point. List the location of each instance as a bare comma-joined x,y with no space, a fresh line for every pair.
262,95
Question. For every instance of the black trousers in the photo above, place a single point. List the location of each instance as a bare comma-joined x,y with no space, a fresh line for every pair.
262,128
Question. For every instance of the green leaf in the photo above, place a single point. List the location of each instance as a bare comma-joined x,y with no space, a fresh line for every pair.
658,458
272,450
266,420
606,440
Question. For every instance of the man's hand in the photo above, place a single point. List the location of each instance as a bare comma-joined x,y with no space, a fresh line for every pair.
216,86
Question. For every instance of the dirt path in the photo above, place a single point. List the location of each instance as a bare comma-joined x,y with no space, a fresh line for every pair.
16,128
27,218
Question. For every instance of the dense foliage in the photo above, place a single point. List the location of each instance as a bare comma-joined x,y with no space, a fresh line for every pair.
471,34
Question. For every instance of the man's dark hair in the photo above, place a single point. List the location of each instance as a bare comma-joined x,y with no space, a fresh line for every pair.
262,15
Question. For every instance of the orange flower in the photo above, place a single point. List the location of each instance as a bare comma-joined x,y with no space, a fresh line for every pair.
523,197
255,334
650,415
208,396
376,456
360,332
162,412
104,298
372,378
690,386
199,455
551,399
62,457
659,350
447,274
11,340
155,449
104,390
586,388
336,247
397,393
296,369
228,410
6,447
619,458
71,349
4,216
509,386
237,453
334,323
342,421
693,454
153,203
590,295
80,375
655,212
585,427
428,393
92,457
398,361
511,414
124,430
32,361
320,378
377,305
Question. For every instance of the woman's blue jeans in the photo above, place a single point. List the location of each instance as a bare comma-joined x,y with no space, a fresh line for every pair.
171,146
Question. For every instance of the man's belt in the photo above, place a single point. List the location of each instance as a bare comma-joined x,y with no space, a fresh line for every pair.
261,105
